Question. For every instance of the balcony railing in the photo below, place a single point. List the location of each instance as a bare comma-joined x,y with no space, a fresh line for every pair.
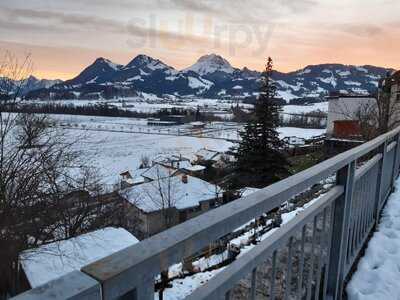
308,257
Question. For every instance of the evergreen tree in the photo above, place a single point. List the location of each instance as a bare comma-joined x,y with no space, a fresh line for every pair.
259,157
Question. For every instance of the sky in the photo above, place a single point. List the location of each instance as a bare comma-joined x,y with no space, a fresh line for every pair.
65,36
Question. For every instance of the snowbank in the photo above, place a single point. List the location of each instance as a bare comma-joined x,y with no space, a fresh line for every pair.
378,272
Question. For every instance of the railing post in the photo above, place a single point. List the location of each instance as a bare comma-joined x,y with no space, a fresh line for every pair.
379,185
340,226
396,159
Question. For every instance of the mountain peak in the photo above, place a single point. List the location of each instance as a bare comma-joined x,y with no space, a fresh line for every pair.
143,60
105,61
211,63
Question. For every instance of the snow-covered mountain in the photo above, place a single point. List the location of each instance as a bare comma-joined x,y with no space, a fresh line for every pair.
27,85
211,76
209,64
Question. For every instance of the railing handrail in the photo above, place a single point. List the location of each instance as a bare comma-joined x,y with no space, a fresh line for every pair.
130,268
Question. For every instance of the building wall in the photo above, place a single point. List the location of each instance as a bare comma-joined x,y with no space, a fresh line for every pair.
345,108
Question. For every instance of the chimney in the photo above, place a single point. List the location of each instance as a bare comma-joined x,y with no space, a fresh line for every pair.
184,178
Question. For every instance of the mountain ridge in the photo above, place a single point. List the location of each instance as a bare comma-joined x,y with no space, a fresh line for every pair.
211,76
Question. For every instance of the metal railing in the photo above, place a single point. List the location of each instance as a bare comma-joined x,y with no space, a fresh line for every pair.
308,257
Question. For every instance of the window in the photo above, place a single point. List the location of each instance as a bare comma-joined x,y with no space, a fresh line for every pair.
398,97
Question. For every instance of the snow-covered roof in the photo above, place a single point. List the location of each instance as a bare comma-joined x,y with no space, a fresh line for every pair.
197,123
206,154
158,171
49,262
194,168
149,196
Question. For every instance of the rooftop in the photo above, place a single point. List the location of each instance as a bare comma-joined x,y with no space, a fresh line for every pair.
51,261
151,195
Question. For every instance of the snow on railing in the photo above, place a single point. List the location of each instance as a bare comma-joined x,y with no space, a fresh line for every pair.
311,255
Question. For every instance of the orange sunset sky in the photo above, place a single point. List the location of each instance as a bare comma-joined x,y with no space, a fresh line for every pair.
64,36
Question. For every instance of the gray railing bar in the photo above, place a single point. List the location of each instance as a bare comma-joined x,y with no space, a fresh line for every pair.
340,236
311,271
171,246
391,146
73,286
253,284
301,264
225,279
329,242
367,166
288,286
273,275
396,160
322,240
379,186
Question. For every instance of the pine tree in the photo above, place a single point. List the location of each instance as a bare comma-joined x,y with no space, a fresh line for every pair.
259,157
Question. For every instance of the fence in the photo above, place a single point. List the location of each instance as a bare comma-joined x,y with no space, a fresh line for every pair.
308,257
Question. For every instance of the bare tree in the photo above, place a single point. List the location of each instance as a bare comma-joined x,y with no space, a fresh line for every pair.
47,190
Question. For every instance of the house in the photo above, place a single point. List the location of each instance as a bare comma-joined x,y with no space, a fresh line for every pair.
49,262
166,202
130,178
180,163
343,114
206,156
158,171
198,125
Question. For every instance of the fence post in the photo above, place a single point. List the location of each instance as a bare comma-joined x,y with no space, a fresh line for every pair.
378,196
396,159
340,233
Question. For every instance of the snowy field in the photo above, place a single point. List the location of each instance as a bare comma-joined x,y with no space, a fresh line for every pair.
378,272
153,104
112,147
115,152
298,109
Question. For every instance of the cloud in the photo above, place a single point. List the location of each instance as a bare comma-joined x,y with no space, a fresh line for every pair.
362,30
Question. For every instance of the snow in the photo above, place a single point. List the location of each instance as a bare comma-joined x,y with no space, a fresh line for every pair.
195,83
378,272
93,80
158,172
299,132
149,196
305,71
209,64
343,73
298,109
329,80
362,69
206,154
54,260
286,95
237,87
352,83
111,64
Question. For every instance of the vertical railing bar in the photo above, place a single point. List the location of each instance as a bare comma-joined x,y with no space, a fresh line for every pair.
273,275
379,187
253,284
353,221
322,239
366,197
311,271
359,213
342,205
327,259
395,159
289,270
301,263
